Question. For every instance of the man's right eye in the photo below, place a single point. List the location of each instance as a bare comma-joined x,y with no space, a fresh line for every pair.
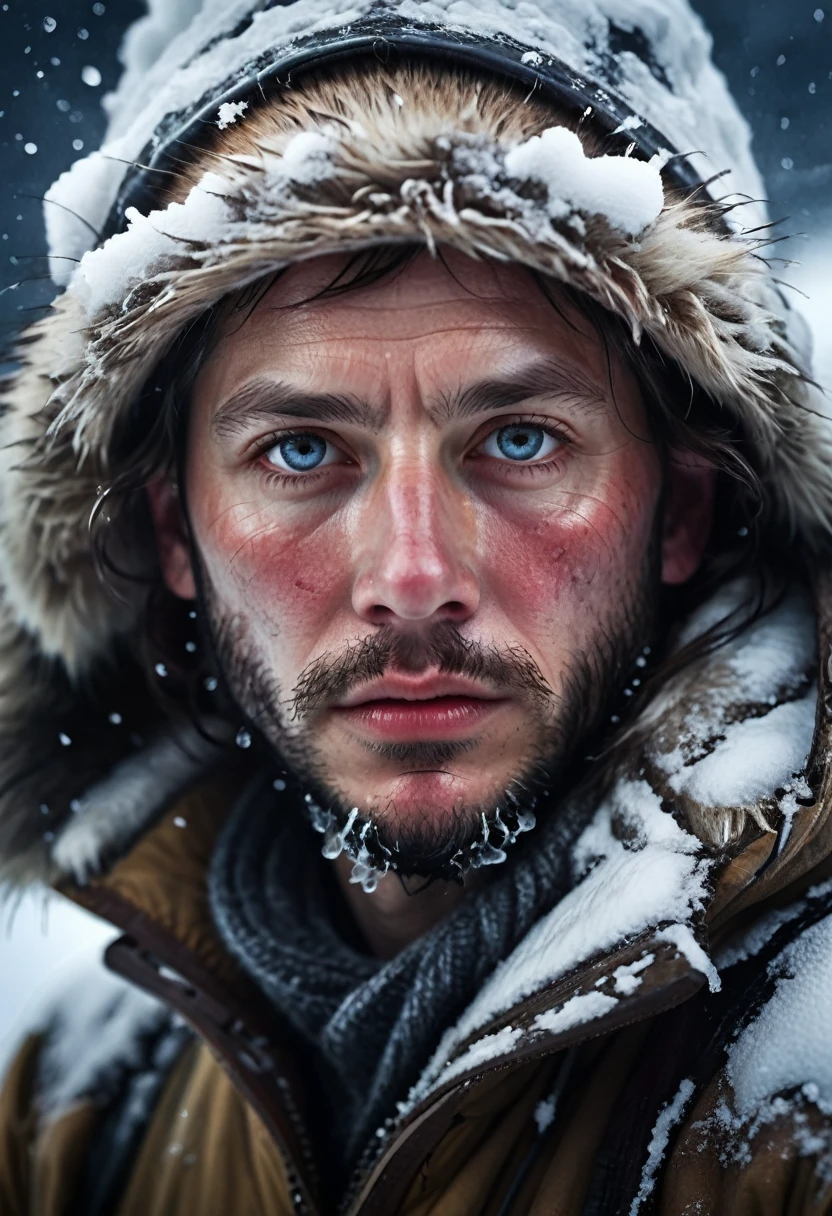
301,453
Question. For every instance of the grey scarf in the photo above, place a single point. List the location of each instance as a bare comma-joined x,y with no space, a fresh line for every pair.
373,1024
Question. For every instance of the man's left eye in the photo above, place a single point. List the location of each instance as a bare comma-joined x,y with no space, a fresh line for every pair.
520,442
301,453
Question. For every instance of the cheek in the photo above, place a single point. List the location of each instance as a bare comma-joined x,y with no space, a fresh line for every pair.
574,549
284,574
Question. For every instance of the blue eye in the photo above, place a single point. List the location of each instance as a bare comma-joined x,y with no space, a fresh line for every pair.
300,453
520,442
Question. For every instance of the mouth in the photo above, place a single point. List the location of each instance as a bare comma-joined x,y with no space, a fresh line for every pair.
419,710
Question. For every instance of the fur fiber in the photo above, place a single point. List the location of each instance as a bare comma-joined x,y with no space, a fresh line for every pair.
703,294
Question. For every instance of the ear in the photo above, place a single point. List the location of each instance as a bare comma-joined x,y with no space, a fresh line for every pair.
688,516
172,537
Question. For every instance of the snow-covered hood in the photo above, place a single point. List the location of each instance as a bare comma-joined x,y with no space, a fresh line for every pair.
644,66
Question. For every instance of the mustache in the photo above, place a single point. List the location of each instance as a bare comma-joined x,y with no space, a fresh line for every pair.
331,677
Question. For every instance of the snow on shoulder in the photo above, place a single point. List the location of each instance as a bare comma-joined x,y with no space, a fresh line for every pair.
628,193
788,1046
719,758
637,870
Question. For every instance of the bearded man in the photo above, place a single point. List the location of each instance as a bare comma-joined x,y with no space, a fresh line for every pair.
414,529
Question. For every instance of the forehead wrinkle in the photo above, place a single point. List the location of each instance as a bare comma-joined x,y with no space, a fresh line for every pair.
264,400
549,378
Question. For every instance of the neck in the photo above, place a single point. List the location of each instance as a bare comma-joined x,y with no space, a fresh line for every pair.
393,916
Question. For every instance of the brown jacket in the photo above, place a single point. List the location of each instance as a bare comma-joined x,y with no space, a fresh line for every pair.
636,1105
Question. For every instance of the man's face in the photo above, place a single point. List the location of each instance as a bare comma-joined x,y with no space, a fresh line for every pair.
426,514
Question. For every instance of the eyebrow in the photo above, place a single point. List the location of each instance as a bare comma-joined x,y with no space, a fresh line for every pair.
547,378
264,400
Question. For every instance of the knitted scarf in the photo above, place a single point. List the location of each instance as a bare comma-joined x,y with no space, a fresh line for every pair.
373,1024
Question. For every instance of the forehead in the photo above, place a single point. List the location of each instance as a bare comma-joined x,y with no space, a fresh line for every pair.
447,319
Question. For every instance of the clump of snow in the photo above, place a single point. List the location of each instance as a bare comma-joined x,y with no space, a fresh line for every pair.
544,1114
106,275
91,76
229,112
754,758
633,123
308,158
489,1047
585,1007
579,1009
627,977
775,651
534,58
681,936
72,206
789,806
705,752
660,159
628,193
670,1116
788,1045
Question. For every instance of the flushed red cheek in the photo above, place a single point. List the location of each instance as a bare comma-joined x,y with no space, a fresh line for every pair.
278,572
569,552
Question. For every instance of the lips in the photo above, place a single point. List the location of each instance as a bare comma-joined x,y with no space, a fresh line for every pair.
422,709
422,688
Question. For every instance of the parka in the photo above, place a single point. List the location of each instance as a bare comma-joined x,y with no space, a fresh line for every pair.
659,1040
668,1052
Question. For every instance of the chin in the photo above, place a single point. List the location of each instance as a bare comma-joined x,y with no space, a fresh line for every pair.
432,795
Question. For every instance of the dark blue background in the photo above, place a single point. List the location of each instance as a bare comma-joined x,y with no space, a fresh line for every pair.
789,105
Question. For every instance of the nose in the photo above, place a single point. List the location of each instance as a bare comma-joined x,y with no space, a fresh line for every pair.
416,549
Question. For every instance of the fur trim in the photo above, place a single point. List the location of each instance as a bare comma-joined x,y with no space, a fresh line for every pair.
108,818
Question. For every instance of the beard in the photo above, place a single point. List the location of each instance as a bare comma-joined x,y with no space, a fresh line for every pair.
469,835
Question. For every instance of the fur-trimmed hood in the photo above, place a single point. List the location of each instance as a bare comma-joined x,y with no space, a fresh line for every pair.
627,228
